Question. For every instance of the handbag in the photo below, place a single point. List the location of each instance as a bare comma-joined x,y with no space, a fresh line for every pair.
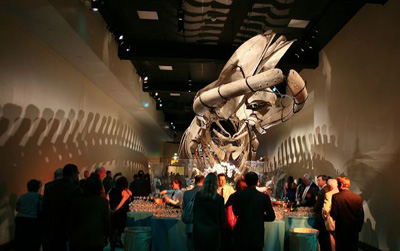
187,214
231,217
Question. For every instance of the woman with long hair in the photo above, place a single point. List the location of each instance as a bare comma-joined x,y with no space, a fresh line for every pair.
119,197
290,189
209,216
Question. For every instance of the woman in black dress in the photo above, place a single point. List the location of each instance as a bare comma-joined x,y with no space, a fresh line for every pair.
209,216
119,198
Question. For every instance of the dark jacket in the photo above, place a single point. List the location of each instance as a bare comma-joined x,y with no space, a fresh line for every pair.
187,196
140,187
89,222
320,223
252,209
347,211
310,199
57,202
108,183
209,217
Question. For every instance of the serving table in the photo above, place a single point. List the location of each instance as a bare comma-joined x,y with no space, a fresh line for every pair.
169,233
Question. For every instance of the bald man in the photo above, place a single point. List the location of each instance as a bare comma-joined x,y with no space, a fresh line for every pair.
326,209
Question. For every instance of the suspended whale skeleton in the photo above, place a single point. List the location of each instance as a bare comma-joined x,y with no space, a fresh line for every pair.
240,101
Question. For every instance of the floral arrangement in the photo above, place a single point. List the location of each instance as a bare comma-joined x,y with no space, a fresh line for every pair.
223,167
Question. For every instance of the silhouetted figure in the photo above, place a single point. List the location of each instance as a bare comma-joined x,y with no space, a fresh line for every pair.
108,181
187,197
227,233
89,218
58,175
209,216
82,181
119,198
140,187
56,205
348,213
252,208
27,234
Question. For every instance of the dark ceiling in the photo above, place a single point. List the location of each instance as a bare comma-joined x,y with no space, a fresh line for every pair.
197,37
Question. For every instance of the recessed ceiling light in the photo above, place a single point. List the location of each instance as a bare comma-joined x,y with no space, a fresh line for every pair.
165,67
147,15
174,94
296,23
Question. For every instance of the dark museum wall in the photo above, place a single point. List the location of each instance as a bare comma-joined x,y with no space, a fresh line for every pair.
351,124
51,114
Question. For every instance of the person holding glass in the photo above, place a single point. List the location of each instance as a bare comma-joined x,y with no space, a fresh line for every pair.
176,197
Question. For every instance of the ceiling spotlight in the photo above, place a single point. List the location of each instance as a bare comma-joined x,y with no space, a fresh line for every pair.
121,37
146,78
95,4
189,91
128,48
297,55
181,16
160,105
156,94
172,123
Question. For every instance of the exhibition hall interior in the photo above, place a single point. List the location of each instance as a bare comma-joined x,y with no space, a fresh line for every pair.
296,92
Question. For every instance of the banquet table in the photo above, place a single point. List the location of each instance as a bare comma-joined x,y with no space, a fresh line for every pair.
139,219
274,235
169,233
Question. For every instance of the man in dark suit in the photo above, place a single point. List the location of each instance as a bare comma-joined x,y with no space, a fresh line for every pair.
140,187
252,209
58,174
188,196
323,236
57,202
348,213
308,198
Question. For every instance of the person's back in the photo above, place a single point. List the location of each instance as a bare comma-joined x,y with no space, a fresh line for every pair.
56,205
89,218
348,213
141,187
209,216
27,224
108,183
252,209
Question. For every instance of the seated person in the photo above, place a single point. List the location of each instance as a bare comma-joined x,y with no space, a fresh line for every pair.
176,197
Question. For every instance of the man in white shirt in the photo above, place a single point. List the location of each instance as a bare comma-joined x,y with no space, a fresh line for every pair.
223,189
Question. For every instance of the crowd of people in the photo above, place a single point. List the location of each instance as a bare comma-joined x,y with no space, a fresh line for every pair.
225,219
90,213
75,214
